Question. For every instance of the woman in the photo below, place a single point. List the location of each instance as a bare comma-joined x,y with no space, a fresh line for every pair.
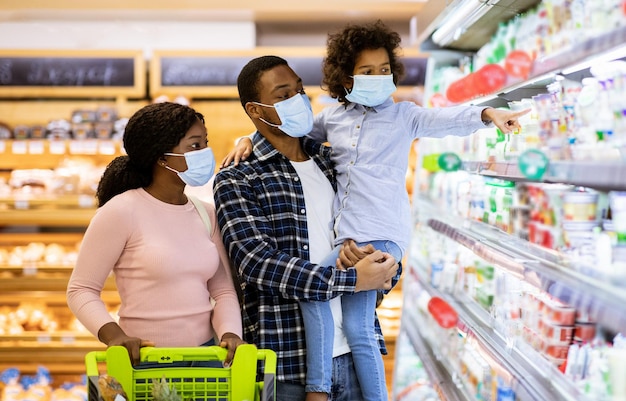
171,268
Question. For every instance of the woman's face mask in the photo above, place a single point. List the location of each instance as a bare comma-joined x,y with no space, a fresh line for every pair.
200,166
371,90
295,113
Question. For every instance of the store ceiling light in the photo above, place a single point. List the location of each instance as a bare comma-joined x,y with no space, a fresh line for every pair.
459,19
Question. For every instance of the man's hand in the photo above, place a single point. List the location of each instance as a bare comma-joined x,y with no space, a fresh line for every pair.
506,120
375,272
243,148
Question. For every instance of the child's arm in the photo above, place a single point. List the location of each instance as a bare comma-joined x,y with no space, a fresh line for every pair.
241,151
506,120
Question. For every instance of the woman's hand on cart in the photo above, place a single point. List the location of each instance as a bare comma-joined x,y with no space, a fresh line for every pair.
230,341
112,334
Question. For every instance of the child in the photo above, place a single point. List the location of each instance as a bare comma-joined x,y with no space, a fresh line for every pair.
371,136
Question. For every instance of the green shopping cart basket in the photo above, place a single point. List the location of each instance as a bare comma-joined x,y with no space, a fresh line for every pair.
235,383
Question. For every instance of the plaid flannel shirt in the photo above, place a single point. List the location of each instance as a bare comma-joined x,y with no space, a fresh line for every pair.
262,216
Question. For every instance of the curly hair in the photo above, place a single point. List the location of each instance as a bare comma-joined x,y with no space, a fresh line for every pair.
248,79
343,48
153,130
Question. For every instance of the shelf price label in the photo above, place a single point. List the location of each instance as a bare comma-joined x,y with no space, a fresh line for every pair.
533,164
44,338
86,201
57,147
19,147
68,339
106,147
36,147
29,268
449,161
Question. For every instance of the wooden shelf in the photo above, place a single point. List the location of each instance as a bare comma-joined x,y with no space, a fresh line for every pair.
66,201
47,217
25,238
46,154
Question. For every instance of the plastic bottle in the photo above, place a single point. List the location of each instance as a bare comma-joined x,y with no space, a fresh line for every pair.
442,312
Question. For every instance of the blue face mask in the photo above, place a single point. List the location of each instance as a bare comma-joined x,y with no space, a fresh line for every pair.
295,113
200,166
371,90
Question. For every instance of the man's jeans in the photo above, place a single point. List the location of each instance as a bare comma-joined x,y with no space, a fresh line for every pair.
345,385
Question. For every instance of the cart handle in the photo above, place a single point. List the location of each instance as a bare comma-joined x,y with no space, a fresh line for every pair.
169,355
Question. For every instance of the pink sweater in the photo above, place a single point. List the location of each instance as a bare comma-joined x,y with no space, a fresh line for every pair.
167,270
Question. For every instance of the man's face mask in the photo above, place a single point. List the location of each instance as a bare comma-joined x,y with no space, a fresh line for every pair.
371,90
200,166
295,113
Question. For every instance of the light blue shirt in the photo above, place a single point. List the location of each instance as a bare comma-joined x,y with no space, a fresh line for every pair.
370,148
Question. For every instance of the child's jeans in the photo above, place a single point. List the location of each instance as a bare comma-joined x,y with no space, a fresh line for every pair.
358,311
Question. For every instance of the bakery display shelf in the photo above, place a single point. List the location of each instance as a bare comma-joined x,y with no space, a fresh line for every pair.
43,338
42,283
12,297
78,217
593,174
575,284
47,354
36,201
24,238
34,268
46,154
532,377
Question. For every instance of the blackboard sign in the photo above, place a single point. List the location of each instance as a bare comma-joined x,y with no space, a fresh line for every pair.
414,71
214,75
72,73
63,71
223,71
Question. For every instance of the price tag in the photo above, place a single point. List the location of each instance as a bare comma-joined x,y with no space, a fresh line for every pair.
44,338
68,339
21,204
533,164
84,147
106,147
449,161
36,147
29,268
57,147
86,201
20,147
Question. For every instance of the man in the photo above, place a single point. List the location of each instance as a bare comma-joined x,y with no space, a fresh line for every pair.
275,212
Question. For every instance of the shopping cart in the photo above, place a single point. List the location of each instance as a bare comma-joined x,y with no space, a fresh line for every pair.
235,383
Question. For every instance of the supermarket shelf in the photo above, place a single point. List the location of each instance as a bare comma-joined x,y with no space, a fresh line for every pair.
49,201
49,354
60,338
47,217
598,175
49,154
10,296
573,283
441,376
533,378
25,238
40,282
32,268
571,63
